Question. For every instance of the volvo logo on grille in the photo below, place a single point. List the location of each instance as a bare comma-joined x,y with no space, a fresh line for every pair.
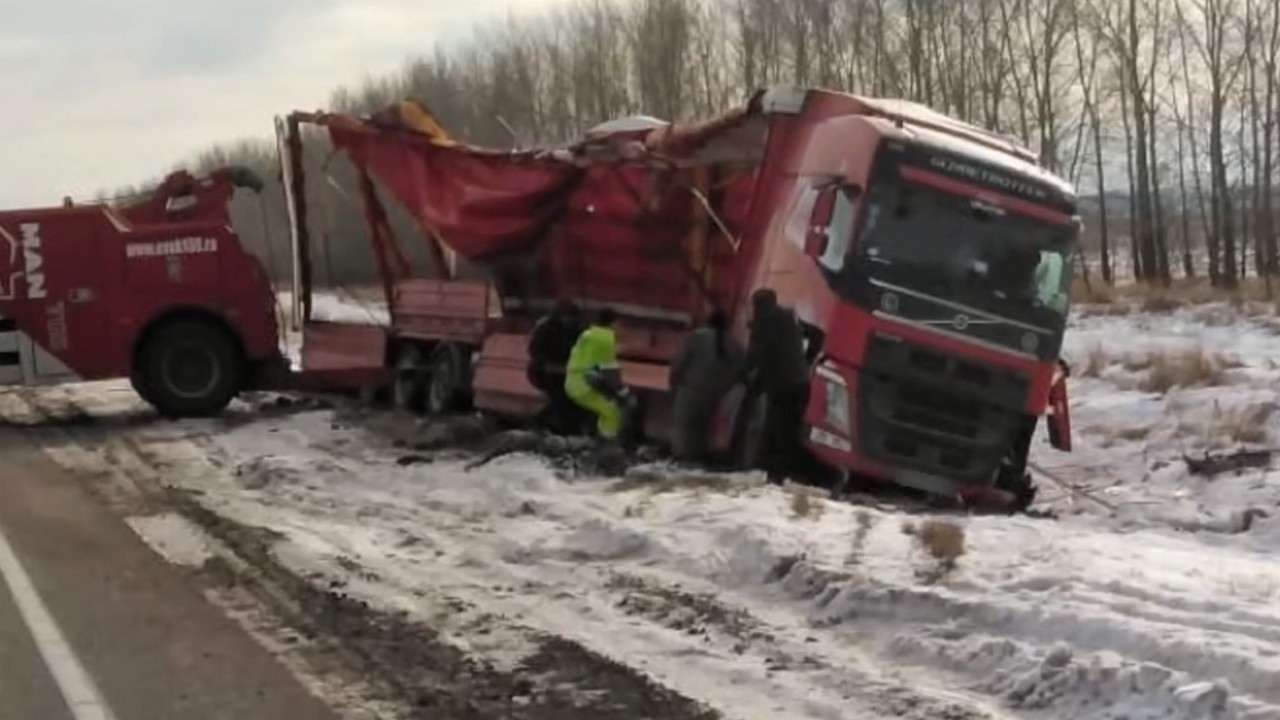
960,322
889,302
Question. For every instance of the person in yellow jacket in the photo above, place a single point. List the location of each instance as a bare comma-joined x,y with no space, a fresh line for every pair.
593,378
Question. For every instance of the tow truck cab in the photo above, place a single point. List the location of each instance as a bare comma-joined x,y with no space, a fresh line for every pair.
159,290
930,262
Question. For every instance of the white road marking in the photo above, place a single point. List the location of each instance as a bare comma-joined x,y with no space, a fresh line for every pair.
78,689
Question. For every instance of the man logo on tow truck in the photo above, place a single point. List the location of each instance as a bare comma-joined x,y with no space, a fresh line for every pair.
34,259
33,263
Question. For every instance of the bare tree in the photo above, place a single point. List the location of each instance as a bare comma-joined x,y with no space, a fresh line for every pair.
1087,56
1222,71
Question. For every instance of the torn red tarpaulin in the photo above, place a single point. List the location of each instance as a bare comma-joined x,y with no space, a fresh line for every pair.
482,205
612,218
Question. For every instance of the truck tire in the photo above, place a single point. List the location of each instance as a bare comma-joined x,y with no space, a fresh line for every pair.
1012,476
189,368
447,390
139,383
408,389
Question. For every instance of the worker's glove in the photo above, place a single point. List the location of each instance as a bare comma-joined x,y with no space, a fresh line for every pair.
627,399
606,382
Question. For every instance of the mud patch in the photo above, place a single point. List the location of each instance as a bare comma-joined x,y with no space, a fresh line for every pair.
659,480
410,663
904,703
698,614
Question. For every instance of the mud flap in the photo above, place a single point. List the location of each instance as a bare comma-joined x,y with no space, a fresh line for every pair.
1058,418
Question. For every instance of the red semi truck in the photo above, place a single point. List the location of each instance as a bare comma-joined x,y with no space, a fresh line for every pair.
928,260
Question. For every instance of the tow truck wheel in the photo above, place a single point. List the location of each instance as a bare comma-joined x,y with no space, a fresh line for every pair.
189,368
446,391
138,381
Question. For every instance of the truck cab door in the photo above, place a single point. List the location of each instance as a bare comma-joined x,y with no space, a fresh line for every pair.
59,320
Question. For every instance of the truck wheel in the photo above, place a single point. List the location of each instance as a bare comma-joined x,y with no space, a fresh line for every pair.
447,389
1013,476
138,381
189,368
1017,481
411,377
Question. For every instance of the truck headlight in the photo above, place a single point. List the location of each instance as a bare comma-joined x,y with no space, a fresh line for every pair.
838,406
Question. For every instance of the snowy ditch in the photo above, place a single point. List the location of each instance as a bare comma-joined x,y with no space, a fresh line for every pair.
764,605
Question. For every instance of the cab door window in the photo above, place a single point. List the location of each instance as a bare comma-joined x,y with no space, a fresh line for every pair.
831,225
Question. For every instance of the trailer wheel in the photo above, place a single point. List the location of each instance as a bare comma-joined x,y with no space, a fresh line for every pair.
411,377
189,368
447,389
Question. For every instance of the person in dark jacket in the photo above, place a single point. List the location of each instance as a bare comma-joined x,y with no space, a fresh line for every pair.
550,343
778,368
704,370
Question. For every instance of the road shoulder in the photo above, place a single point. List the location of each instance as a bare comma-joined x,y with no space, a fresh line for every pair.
155,647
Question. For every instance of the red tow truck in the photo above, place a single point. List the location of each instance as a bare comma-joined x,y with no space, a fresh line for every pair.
928,260
158,290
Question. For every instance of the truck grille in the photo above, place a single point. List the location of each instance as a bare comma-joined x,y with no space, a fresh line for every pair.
924,409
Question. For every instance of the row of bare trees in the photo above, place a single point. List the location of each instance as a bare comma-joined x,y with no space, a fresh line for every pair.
1163,112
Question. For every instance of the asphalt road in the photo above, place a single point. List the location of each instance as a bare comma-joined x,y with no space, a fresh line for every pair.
94,625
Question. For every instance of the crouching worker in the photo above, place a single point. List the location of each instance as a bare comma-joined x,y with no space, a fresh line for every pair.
594,380
707,366
550,343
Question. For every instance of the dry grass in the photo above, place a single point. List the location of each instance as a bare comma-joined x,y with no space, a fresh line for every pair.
865,521
1244,424
943,542
1132,434
1138,363
1160,302
1180,293
804,505
1095,292
1191,367
1096,362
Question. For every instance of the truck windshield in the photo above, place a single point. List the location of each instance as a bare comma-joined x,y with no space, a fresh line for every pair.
960,249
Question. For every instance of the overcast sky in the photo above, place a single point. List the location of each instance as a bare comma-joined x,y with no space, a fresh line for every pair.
104,93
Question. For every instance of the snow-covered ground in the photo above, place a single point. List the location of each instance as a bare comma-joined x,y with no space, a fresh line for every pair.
1149,389
769,602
